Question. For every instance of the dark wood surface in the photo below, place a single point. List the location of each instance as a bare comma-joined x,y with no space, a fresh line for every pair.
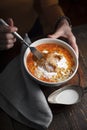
72,117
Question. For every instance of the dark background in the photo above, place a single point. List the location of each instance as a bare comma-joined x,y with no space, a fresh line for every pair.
76,10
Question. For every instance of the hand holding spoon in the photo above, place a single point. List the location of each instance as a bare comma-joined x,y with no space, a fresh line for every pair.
35,52
68,95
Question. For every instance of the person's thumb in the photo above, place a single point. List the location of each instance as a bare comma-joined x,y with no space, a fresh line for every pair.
10,22
57,34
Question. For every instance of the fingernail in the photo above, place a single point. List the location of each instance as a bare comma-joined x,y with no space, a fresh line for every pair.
16,28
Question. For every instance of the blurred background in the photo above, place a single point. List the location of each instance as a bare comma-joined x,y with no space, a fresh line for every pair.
76,10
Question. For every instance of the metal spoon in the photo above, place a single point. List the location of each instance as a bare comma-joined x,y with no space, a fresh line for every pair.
35,52
68,95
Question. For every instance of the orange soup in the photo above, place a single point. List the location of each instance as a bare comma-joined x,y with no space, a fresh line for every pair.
57,64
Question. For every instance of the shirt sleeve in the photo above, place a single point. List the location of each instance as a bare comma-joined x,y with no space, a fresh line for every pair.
49,11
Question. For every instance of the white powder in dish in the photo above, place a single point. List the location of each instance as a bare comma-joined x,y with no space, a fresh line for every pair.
68,96
42,72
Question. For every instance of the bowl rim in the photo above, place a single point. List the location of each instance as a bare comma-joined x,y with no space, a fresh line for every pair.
65,44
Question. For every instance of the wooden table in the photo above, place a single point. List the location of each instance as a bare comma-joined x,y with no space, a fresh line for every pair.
72,117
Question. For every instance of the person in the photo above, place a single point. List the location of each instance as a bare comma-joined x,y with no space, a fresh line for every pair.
35,17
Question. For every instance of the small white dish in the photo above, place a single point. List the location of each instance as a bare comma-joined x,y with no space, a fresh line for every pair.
67,95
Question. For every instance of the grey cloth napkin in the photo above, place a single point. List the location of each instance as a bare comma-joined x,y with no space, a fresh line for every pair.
22,98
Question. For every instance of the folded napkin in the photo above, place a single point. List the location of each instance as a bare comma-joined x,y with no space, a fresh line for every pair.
21,97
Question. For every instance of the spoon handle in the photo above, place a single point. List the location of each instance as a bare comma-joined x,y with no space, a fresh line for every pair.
33,49
14,33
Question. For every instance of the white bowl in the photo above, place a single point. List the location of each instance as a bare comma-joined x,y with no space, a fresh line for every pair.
59,42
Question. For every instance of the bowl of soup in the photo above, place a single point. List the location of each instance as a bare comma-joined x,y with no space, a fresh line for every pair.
58,65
